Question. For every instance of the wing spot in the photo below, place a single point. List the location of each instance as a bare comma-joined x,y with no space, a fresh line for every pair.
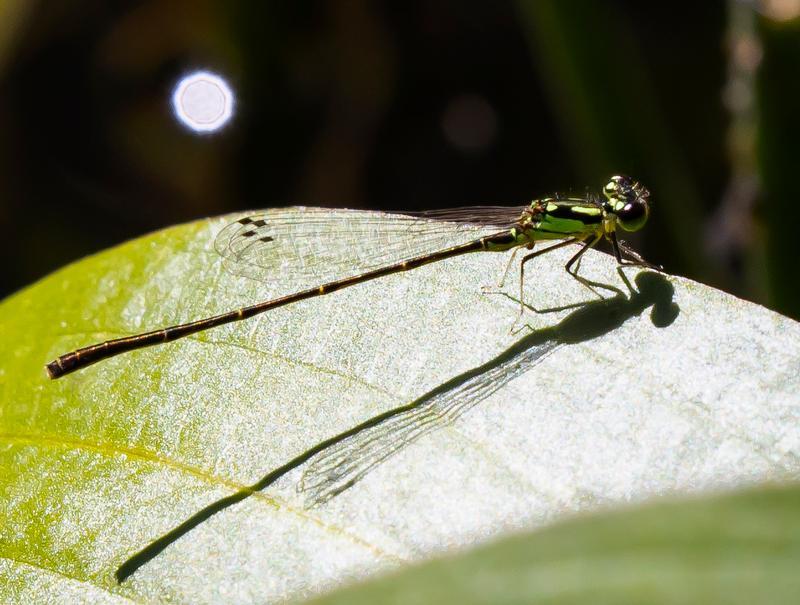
266,238
245,221
260,222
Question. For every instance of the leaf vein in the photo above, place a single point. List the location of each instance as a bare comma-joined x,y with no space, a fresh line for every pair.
277,504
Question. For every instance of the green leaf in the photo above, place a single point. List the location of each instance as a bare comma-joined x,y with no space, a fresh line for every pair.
589,408
742,548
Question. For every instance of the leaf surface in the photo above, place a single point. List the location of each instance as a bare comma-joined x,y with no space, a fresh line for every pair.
403,418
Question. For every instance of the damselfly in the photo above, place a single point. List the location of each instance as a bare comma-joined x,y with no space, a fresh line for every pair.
334,251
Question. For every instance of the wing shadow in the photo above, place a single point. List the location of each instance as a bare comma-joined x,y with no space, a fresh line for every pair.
341,461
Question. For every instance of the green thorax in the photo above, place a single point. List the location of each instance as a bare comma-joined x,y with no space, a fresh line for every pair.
553,218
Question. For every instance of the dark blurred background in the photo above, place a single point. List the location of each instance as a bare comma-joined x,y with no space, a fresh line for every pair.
407,105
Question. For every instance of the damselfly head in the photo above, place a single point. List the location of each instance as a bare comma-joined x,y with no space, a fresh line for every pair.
627,200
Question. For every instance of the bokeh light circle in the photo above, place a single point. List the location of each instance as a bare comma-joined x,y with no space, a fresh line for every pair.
203,101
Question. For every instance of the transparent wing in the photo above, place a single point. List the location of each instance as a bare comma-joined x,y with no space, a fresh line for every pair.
342,465
306,246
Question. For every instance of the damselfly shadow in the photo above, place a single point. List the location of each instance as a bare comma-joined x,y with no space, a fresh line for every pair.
340,462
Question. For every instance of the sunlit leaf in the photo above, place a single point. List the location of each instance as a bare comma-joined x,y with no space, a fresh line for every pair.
675,390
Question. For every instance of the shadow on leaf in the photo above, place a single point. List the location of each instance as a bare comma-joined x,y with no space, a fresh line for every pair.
341,461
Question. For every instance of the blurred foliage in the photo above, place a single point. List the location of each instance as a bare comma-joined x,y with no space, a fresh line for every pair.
738,548
779,133
404,105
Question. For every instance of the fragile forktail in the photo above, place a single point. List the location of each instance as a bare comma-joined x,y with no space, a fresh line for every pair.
306,244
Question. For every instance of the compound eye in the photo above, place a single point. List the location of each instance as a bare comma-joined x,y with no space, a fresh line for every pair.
633,215
618,184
